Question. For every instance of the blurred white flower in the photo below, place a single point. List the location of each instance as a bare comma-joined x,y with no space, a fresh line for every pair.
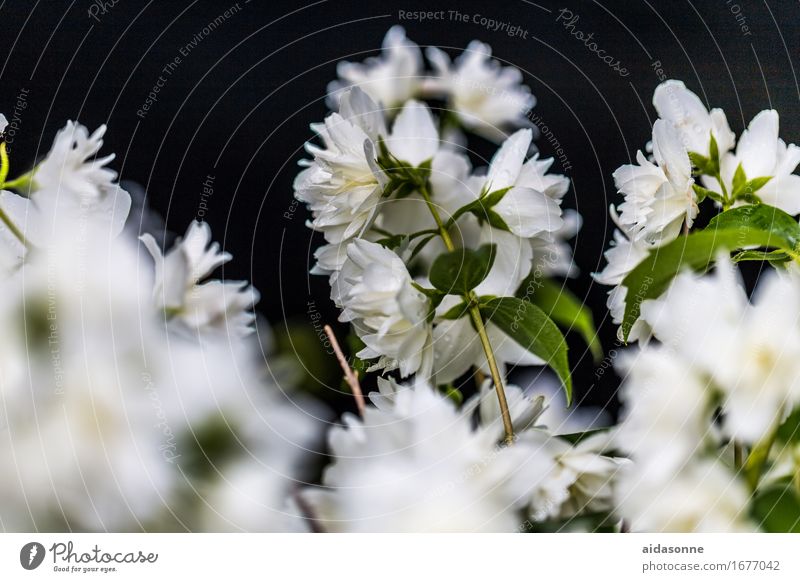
214,306
416,464
487,97
342,186
683,109
81,447
704,497
376,294
390,80
580,480
762,153
667,411
750,351
253,488
659,198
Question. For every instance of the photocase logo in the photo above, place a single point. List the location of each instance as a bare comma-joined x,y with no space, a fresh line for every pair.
31,555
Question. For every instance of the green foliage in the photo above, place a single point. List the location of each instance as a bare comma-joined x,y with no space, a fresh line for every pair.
482,209
777,509
789,431
783,229
560,304
739,228
458,272
530,327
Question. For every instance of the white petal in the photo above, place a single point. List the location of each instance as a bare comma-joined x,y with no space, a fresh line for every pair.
507,162
456,349
757,149
528,212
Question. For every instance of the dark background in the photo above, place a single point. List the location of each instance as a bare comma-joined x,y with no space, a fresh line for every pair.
238,105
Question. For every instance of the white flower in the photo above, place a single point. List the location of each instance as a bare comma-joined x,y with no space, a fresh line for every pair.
668,411
552,254
253,488
70,168
416,464
683,109
214,306
580,480
574,478
70,193
391,79
414,137
81,445
762,153
450,190
704,497
622,256
526,210
376,294
750,351
659,198
487,97
342,185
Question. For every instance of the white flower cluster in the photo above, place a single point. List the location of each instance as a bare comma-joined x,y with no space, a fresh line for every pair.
661,195
417,463
396,197
716,379
111,371
726,371
360,205
484,96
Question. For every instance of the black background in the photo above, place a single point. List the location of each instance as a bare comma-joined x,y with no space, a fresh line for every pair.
238,105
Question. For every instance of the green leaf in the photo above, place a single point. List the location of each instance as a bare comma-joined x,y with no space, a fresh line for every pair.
392,242
747,190
695,251
564,308
460,271
700,162
456,312
739,180
777,509
771,256
782,227
746,226
405,189
789,431
496,220
530,327
756,184
713,151
452,393
493,198
703,193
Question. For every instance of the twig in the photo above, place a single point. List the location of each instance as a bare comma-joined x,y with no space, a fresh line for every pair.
350,376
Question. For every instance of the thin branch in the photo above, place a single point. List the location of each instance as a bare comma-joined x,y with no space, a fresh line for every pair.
350,376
